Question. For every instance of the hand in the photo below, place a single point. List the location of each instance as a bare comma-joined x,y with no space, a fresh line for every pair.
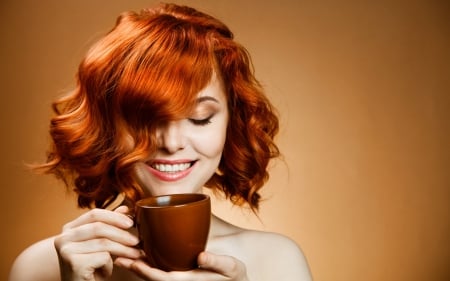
87,245
212,268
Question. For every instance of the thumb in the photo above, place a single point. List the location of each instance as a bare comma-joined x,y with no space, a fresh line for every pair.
225,265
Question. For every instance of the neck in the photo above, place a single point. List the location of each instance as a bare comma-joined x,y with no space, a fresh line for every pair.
219,227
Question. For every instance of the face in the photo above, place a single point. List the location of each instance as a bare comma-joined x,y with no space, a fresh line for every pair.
189,150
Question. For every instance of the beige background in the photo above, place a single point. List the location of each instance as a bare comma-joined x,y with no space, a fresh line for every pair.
363,89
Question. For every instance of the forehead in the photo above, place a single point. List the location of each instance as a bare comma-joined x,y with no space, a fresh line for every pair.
214,89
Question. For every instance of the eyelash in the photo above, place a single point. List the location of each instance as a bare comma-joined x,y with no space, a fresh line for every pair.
201,122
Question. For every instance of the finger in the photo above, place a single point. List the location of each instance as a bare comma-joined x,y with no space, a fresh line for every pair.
98,266
99,230
143,270
104,272
123,262
100,245
126,211
99,215
225,265
123,209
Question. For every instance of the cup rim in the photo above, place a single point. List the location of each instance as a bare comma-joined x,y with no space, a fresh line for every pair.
201,198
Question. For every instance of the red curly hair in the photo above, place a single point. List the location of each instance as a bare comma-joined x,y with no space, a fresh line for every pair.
147,70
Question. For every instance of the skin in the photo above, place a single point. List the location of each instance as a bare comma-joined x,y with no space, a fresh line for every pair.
100,244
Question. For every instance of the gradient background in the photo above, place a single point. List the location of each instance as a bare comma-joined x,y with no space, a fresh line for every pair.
363,90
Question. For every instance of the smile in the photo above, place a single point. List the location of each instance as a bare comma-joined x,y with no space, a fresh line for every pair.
170,172
171,168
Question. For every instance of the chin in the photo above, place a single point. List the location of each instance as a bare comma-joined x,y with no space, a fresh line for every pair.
173,190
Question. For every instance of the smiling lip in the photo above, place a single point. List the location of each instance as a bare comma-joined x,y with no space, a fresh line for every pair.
170,170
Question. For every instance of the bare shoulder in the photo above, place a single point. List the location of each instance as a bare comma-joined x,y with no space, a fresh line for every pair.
266,255
277,255
39,262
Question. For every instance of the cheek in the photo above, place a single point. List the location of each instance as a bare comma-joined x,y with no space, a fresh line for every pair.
211,144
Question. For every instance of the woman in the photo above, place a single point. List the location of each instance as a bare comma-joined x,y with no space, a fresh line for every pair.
165,103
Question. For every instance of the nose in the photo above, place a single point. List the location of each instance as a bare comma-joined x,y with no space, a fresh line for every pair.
170,137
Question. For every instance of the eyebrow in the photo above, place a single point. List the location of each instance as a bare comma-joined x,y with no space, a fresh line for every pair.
206,98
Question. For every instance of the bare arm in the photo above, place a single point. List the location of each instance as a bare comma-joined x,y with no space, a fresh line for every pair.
275,257
39,262
292,262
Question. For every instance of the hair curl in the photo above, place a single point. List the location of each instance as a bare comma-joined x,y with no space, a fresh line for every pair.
148,69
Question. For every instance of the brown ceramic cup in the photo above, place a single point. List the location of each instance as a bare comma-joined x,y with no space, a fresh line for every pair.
174,229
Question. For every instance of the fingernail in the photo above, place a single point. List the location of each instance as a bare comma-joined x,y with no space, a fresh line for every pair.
130,223
142,253
136,242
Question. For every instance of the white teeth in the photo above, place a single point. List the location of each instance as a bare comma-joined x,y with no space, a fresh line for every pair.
171,168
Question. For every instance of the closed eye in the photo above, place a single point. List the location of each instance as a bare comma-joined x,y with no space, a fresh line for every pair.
201,122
